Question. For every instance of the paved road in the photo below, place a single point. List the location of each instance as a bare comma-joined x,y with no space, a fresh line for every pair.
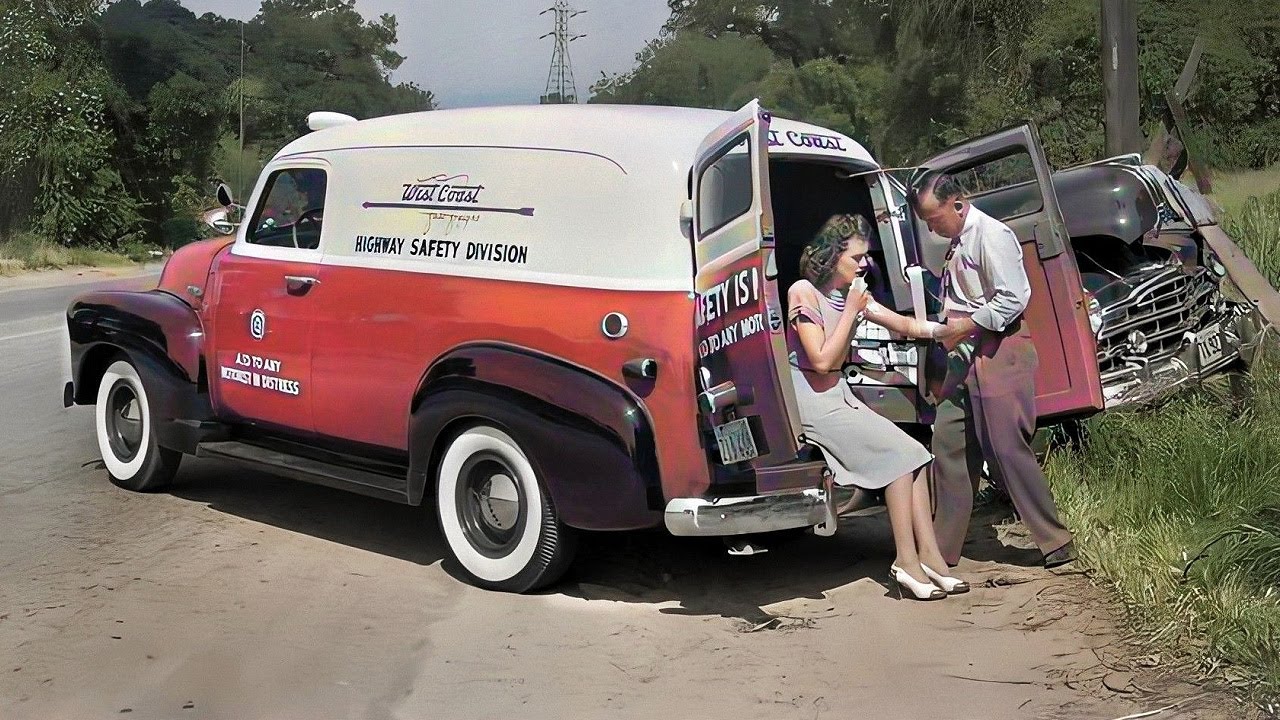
238,595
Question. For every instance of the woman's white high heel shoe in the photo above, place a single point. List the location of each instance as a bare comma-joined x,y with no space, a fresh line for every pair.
949,585
919,590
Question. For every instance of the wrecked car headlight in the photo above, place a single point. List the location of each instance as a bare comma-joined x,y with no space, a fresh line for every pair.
1216,265
1095,312
1138,341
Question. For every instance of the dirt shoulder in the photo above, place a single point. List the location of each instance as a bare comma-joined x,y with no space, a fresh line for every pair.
36,279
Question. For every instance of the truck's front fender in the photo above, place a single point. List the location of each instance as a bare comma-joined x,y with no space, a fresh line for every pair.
163,337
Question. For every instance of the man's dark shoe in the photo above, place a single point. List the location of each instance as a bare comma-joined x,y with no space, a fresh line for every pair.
1061,556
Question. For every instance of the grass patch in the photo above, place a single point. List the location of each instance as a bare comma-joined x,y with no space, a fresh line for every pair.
1178,508
26,251
1255,226
1232,190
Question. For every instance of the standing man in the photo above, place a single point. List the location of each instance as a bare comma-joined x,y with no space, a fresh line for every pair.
990,412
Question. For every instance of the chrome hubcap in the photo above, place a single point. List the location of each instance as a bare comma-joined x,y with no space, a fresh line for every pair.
491,504
124,421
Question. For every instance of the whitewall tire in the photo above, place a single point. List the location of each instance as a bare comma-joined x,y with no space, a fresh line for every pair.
499,523
126,432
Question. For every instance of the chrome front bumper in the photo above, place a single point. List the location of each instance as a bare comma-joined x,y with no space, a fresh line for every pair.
753,514
1147,383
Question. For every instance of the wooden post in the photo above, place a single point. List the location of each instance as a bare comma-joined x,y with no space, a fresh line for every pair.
1120,75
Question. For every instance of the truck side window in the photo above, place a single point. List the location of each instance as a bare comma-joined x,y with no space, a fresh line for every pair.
724,189
291,211
1005,188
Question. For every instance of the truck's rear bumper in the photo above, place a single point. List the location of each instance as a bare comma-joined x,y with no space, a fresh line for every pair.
752,513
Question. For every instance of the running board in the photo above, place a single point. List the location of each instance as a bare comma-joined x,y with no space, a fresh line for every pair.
296,467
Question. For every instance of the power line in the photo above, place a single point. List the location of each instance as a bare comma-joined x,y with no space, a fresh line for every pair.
560,85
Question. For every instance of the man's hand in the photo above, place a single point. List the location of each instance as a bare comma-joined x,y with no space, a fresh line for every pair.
954,331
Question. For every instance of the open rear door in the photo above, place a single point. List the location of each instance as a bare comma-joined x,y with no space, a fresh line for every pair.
1007,176
746,400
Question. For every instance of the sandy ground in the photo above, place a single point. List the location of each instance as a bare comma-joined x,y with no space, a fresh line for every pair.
238,595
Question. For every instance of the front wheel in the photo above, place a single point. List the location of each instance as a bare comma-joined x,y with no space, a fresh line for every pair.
126,432
500,525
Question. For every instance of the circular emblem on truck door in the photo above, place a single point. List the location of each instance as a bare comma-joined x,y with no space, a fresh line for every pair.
258,324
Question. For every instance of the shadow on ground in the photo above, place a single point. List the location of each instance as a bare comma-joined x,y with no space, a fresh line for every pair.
642,567
387,528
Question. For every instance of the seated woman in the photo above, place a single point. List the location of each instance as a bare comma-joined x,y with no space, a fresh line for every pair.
861,447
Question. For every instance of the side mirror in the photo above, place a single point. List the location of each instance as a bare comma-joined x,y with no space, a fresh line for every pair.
224,195
686,218
219,219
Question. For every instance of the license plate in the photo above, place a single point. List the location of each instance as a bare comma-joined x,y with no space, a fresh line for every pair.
1209,343
736,442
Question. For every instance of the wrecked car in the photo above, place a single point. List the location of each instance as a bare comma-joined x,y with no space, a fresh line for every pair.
1159,309
1163,308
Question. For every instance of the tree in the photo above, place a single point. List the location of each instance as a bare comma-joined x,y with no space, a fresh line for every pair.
56,146
796,30
688,69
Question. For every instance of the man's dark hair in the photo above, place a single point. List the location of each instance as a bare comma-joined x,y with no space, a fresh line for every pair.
943,187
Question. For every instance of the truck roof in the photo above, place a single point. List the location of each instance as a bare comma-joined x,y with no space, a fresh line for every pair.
627,134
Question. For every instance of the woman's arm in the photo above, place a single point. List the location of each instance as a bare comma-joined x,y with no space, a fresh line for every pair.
901,324
828,349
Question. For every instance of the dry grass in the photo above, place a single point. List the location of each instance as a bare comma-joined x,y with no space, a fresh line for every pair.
1232,190
25,251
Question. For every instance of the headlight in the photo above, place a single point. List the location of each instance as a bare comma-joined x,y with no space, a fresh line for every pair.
1138,341
1216,265
1095,312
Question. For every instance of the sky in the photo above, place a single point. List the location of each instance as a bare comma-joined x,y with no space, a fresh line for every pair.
487,52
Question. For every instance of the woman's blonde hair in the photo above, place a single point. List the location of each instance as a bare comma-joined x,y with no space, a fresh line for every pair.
819,258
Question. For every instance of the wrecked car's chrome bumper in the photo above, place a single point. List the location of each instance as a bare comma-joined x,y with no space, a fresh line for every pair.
1142,382
752,513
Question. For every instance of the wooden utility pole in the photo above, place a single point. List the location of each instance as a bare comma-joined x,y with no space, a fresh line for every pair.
1120,75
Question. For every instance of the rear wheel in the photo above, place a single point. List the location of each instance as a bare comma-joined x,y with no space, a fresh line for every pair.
126,432
500,525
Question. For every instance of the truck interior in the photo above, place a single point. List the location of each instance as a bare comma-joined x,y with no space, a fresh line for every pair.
804,195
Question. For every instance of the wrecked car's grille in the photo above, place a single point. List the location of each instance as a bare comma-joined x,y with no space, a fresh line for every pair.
1159,313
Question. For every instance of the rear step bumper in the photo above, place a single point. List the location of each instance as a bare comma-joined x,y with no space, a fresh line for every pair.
753,513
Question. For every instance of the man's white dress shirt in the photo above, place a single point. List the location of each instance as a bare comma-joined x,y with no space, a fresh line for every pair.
984,277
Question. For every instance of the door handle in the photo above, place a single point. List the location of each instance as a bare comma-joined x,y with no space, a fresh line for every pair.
299,283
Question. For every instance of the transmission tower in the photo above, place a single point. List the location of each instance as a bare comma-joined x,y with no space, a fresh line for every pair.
560,85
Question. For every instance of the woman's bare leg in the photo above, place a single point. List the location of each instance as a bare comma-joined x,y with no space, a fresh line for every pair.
922,524
898,499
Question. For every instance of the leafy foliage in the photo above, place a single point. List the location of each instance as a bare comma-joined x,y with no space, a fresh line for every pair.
689,70
115,118
929,73
56,147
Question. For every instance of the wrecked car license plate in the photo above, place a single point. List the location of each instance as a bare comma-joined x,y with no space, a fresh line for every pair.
736,442
1209,343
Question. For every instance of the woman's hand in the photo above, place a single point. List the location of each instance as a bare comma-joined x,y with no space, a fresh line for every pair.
857,298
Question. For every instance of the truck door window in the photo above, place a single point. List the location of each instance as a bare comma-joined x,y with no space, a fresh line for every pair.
724,189
1004,188
291,211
